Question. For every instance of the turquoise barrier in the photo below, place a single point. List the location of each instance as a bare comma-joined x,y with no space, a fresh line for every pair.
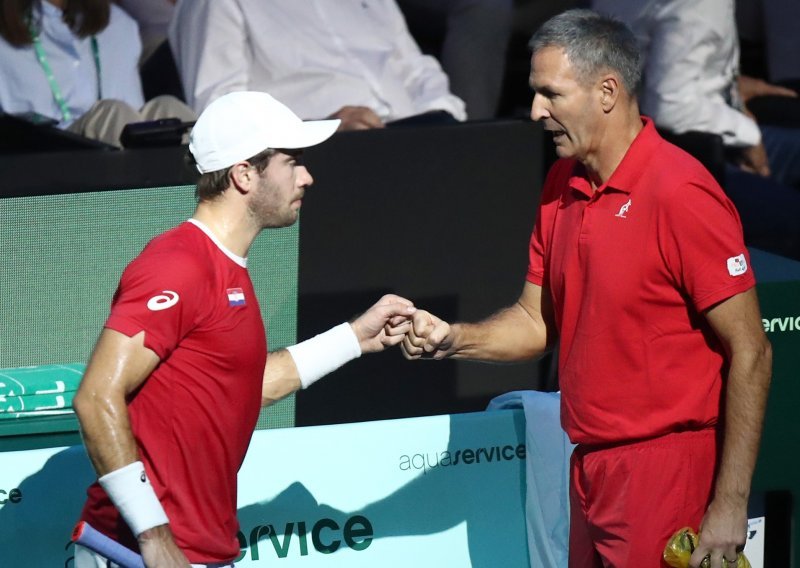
433,491
36,391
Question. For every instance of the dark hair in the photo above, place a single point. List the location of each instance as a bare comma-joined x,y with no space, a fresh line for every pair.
84,18
212,184
593,43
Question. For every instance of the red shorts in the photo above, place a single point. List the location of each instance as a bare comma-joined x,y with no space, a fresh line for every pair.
626,501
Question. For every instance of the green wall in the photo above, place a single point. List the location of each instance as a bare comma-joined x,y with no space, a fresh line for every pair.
62,255
778,467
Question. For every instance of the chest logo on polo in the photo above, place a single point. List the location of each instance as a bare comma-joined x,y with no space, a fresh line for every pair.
737,265
165,300
623,211
235,297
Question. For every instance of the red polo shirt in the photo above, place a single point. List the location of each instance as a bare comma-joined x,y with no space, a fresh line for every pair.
630,269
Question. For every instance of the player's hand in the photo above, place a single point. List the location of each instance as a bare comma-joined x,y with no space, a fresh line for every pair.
429,337
372,327
723,534
357,118
159,550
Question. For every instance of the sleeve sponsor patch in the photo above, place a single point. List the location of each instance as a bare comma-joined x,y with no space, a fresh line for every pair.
737,265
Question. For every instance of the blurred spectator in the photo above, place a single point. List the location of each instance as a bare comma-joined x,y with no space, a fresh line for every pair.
691,81
770,28
350,59
470,39
153,17
75,62
528,15
157,68
770,46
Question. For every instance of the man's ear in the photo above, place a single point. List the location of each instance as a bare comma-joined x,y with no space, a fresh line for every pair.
610,90
243,176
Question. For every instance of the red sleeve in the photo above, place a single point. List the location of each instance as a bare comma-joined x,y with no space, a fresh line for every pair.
160,292
704,246
555,183
536,253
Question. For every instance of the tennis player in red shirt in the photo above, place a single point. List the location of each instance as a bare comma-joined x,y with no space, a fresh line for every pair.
173,389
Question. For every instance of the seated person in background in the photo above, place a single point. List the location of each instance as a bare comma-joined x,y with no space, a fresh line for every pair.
474,36
75,61
153,18
768,28
770,46
351,59
691,81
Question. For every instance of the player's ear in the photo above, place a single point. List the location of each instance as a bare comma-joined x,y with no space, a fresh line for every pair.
242,176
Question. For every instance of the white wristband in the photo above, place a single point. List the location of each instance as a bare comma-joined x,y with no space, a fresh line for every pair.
324,353
131,492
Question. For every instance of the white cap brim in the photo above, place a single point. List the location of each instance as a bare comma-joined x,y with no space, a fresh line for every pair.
239,125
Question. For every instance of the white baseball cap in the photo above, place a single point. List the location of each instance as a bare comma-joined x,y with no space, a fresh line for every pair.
239,125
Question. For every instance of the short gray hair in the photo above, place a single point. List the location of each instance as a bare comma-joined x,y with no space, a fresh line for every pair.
593,43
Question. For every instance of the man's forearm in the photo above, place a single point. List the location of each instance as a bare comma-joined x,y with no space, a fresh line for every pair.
745,406
508,336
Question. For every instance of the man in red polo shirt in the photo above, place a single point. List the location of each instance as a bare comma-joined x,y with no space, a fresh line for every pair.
638,266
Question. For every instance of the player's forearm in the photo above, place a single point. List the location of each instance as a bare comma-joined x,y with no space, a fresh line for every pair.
281,377
303,364
105,429
101,406
745,405
119,365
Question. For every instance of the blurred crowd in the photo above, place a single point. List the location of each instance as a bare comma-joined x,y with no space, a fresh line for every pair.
723,68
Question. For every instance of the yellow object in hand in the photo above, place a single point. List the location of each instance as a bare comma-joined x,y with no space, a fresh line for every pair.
680,547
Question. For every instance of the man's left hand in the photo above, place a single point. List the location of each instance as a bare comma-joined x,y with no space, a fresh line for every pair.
723,534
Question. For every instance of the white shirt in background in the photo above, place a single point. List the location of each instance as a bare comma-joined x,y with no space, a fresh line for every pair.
691,61
315,56
23,82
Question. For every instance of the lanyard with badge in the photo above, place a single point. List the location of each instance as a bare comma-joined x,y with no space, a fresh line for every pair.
51,79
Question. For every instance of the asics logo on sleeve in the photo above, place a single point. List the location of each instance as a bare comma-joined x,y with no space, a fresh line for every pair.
165,300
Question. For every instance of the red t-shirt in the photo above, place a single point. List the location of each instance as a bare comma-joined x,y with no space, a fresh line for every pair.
630,269
194,416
